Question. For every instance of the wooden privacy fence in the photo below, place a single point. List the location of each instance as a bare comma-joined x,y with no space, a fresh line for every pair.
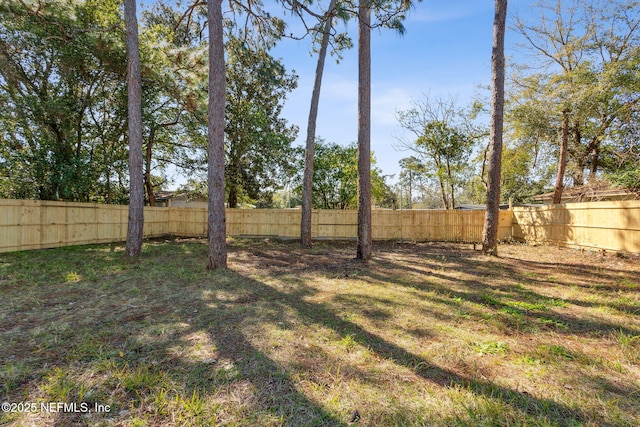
611,225
412,225
35,224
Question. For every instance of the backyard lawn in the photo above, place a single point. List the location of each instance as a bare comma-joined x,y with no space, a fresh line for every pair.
427,334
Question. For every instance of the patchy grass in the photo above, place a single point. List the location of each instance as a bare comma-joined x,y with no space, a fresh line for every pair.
423,335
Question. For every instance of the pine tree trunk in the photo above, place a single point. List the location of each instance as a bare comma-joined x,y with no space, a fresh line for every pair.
490,232
217,256
562,159
135,227
148,183
307,183
364,246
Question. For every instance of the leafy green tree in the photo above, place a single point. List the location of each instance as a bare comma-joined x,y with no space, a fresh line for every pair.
194,189
584,53
414,175
623,163
63,98
174,56
258,139
528,163
335,177
443,141
523,176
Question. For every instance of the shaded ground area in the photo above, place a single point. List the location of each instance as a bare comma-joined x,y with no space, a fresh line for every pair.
423,335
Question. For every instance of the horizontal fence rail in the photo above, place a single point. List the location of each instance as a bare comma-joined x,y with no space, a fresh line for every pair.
37,224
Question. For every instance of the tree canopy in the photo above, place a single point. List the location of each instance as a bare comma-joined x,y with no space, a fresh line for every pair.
62,101
443,140
335,178
581,75
571,106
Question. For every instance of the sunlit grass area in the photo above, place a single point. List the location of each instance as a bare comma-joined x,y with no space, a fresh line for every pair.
423,335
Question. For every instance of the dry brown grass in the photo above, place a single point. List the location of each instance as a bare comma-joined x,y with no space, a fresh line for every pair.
423,335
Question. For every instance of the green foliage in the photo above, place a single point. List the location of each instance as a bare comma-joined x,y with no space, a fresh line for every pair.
175,65
63,100
258,149
63,116
335,178
415,177
449,150
195,189
445,138
528,165
629,179
583,64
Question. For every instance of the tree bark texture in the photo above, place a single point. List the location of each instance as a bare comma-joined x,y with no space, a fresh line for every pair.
364,245
134,104
309,154
217,254
490,231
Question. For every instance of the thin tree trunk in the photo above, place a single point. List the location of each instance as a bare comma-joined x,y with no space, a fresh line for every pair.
578,173
233,195
443,191
147,171
410,190
595,157
217,256
451,186
307,183
453,197
134,91
445,200
562,159
364,246
490,231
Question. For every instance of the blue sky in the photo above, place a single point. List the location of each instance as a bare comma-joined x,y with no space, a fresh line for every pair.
446,51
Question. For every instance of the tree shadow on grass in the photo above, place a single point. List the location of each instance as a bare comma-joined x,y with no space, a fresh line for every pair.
220,305
123,345
321,315
431,282
475,291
